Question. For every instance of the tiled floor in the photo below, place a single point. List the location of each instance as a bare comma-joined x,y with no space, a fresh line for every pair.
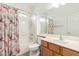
25,54
28,54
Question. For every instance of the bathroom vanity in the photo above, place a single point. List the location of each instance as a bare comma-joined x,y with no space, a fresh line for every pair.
50,47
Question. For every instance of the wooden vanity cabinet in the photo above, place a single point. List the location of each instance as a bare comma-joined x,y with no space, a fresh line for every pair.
51,49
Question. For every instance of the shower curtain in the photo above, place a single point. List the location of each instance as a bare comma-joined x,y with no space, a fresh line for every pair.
9,31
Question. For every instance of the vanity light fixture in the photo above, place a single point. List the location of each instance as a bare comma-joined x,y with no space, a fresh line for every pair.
57,4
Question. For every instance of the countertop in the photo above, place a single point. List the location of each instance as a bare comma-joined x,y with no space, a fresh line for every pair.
68,41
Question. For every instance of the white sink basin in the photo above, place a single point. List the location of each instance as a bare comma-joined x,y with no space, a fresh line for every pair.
61,41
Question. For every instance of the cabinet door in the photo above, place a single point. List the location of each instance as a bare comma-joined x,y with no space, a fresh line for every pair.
68,52
44,43
41,49
45,52
54,47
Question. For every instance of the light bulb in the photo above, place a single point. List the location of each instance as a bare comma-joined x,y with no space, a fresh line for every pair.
56,5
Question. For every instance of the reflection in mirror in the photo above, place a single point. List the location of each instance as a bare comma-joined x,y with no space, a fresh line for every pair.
43,25
66,20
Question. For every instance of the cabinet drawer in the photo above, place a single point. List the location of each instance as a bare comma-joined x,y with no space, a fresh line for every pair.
54,47
56,54
43,43
45,52
68,52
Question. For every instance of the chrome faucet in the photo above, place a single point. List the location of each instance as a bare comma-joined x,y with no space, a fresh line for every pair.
61,38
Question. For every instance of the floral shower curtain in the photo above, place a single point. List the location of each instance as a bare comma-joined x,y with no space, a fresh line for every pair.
9,31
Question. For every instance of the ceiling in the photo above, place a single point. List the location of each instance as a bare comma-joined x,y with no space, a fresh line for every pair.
43,8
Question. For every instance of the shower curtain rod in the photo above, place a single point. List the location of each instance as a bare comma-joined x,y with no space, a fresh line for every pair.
14,8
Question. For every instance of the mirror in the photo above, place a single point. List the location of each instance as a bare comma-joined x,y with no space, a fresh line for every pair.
43,25
66,19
